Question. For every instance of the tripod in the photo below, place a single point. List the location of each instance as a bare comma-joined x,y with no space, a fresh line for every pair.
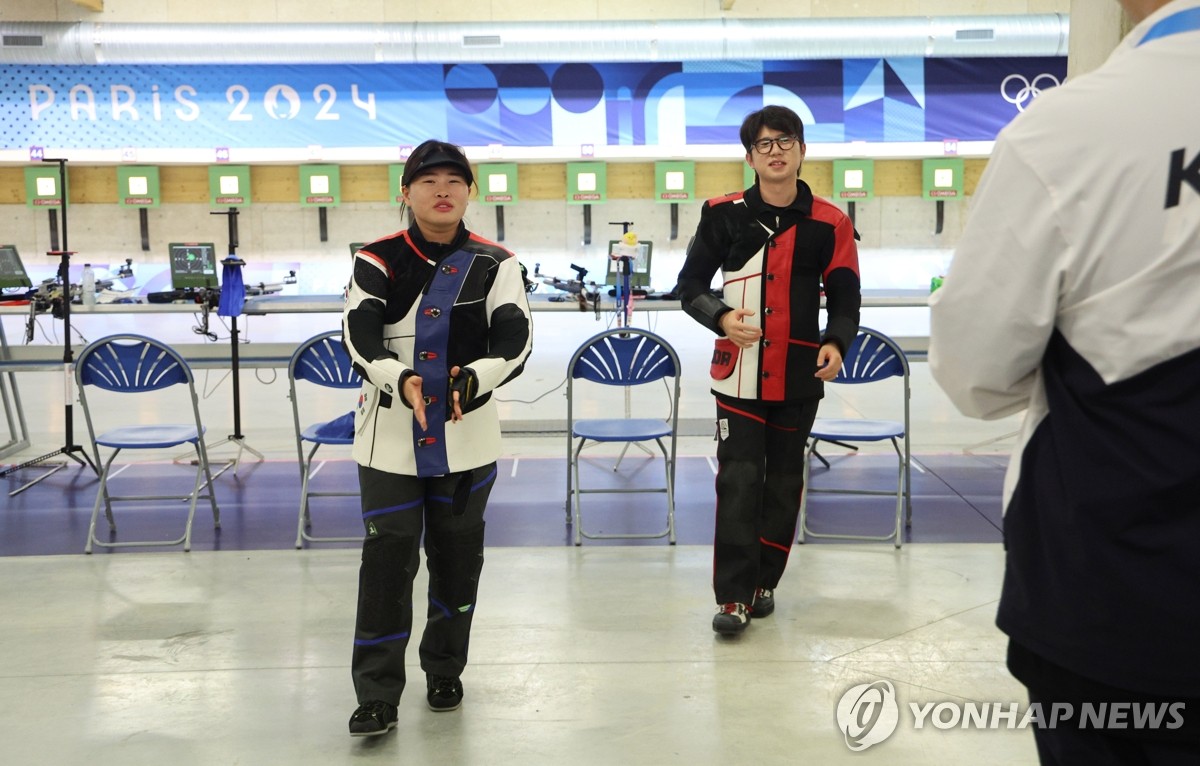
233,294
70,448
624,291
624,281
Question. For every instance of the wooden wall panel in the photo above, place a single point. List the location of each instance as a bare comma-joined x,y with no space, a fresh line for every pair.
275,183
97,185
12,186
898,178
364,183
716,179
972,172
630,180
543,182
183,183
819,175
92,185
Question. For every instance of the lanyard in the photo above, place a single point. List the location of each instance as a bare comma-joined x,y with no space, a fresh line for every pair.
1183,21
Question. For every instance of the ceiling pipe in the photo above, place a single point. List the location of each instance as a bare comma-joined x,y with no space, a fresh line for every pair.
89,43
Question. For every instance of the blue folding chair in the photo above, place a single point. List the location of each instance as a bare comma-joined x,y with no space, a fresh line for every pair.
871,358
135,364
624,357
321,361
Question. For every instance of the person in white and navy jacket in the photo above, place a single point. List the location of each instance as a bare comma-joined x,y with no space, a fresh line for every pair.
1074,294
436,318
776,246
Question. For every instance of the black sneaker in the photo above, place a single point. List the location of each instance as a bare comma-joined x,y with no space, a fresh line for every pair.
731,619
764,603
444,693
373,718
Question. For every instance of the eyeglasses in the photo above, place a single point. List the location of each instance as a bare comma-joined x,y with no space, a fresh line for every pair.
763,146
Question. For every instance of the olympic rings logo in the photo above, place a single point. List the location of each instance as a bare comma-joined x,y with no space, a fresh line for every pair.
1028,90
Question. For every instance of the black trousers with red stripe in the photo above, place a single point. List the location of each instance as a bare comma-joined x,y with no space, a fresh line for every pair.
760,475
398,510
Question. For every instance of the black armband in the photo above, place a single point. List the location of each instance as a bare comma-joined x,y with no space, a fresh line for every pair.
710,306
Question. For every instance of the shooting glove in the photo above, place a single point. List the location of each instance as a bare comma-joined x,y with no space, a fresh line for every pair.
467,386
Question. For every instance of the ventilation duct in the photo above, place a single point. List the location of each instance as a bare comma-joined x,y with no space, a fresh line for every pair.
87,43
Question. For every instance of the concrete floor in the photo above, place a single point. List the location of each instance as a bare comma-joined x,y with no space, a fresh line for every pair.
595,655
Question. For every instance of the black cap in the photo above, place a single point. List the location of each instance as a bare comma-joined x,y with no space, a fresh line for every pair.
436,155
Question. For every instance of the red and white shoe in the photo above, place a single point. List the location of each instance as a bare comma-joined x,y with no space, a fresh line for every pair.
764,603
731,619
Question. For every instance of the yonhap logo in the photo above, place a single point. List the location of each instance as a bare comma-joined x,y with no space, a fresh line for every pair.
867,714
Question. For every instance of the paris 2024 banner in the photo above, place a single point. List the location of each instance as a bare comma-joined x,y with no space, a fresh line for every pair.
518,105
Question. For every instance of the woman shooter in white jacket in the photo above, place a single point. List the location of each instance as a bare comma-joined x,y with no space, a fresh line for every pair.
436,318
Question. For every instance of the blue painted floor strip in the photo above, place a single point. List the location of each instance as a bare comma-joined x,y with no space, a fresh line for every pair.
955,499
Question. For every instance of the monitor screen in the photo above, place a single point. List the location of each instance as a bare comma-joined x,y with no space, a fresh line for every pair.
12,271
193,264
641,265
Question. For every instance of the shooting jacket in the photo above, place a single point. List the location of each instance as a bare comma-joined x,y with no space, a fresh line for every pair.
420,308
774,261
